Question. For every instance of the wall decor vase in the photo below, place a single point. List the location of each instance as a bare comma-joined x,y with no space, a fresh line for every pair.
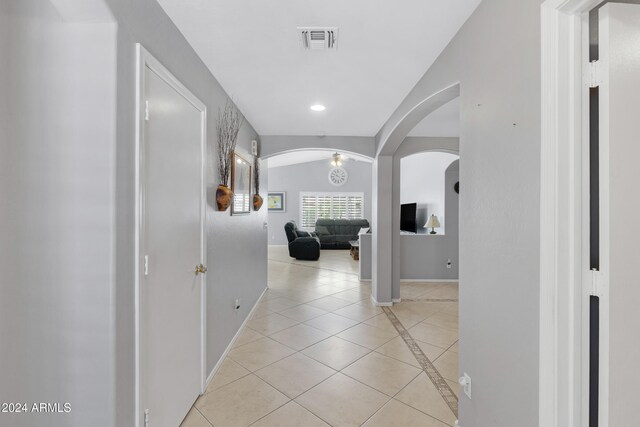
224,196
257,202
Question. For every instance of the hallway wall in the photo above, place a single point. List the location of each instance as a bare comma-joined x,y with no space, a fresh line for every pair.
496,59
67,128
57,213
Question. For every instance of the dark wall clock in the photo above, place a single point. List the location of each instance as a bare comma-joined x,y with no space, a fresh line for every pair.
456,187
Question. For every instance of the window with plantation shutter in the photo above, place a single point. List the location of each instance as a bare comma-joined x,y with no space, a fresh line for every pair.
314,206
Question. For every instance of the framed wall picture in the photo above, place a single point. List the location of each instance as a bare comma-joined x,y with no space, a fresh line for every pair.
241,185
277,201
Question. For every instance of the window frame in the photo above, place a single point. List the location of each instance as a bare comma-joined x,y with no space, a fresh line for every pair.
331,194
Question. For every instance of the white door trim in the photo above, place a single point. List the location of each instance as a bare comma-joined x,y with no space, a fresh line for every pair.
561,206
145,59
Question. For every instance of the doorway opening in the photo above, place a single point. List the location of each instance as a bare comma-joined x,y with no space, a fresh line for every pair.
584,152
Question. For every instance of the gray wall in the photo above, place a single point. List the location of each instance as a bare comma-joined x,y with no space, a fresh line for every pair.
496,59
424,257
67,217
619,36
57,145
312,176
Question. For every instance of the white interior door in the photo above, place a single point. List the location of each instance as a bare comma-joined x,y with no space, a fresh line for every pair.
619,105
171,246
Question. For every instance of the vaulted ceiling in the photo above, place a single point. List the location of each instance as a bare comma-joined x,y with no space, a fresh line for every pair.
383,48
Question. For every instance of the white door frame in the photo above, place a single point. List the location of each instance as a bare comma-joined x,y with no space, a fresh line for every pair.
146,60
563,374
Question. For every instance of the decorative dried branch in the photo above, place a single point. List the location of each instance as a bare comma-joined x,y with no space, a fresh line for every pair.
229,123
256,174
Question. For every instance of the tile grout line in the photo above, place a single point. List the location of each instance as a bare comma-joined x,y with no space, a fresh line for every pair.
205,418
310,266
434,375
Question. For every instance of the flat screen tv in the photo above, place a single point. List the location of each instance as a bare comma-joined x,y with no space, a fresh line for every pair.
408,217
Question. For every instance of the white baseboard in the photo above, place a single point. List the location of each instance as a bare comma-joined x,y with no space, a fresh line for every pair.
233,341
421,280
380,304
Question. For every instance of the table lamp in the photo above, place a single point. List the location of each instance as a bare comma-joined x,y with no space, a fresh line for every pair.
432,223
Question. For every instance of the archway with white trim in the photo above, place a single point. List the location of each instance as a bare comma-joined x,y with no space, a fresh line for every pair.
386,216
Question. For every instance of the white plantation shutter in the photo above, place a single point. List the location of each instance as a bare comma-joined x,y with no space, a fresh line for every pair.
315,206
339,207
355,207
324,208
309,211
242,201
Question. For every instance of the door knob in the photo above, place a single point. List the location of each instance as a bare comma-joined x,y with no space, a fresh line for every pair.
200,269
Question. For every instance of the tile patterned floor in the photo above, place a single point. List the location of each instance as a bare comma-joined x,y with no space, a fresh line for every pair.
318,353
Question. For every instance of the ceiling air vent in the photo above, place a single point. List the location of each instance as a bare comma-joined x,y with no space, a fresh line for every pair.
318,38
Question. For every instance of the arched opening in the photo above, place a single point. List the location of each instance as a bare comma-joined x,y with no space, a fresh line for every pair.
312,186
431,125
422,268
423,191
306,155
274,145
389,142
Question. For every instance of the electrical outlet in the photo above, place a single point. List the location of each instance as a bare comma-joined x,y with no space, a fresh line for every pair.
237,304
449,263
465,382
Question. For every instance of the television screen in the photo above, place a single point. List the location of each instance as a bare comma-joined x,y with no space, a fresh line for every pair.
408,217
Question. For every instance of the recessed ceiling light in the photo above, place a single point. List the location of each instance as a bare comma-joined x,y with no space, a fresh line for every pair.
318,107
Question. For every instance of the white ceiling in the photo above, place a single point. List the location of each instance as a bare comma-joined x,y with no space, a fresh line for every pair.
384,47
306,156
444,122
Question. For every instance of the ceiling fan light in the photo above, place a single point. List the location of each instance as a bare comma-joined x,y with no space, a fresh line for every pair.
337,160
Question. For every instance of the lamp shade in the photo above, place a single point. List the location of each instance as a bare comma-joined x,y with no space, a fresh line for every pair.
433,222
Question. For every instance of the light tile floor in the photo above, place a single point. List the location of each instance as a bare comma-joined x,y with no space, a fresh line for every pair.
316,352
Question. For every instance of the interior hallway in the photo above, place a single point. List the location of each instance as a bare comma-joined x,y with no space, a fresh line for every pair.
317,352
